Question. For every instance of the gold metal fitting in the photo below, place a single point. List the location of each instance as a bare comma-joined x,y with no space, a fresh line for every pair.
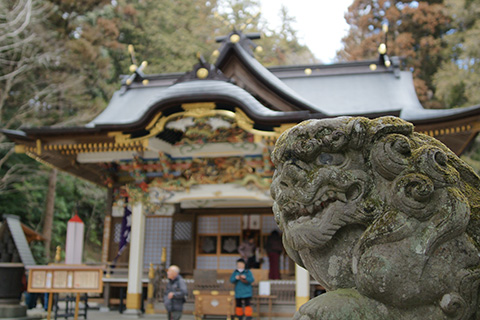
308,71
382,48
202,73
234,38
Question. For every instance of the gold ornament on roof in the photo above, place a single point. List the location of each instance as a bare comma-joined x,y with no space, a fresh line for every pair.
382,48
234,38
202,73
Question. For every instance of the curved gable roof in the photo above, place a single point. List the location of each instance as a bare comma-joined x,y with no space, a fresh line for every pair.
138,104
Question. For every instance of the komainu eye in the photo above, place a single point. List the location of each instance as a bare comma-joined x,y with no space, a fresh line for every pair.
334,159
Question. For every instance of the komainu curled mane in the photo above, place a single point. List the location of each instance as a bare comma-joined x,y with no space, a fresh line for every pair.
386,219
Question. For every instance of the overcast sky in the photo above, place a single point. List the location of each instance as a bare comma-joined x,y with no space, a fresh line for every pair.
320,23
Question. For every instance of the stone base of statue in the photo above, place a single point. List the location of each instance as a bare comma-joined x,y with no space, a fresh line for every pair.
12,311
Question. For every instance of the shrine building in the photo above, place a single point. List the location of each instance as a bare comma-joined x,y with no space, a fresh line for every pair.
190,152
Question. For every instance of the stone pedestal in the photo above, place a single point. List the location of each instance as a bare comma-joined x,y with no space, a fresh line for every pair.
11,275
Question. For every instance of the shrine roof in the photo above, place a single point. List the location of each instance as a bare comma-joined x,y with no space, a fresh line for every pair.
134,104
349,88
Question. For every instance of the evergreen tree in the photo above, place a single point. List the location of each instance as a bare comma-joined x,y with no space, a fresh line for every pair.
416,32
458,78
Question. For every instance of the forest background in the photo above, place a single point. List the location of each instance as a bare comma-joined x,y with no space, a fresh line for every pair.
61,61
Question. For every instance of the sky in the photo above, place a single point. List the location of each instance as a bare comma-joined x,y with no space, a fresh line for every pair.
320,23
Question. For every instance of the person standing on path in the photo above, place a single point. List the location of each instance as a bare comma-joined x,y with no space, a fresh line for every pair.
242,278
175,293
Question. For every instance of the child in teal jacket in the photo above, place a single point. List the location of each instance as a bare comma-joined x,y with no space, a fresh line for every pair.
242,278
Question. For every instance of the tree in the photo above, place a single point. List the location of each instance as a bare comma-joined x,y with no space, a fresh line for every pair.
415,32
44,80
49,212
458,78
167,34
283,47
279,47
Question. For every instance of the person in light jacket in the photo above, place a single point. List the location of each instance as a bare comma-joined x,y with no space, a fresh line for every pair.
242,278
175,293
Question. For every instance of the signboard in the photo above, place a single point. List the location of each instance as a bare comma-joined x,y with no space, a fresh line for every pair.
65,278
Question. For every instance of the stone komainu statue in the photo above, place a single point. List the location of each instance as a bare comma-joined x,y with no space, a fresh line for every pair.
386,219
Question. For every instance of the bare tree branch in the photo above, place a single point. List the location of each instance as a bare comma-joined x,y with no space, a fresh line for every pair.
27,12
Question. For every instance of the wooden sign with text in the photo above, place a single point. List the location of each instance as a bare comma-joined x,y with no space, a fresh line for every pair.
65,278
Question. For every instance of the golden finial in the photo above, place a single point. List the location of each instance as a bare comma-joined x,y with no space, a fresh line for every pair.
234,38
128,82
259,49
145,82
387,63
308,71
151,271
130,49
373,67
385,28
144,64
382,48
164,255
133,68
215,53
202,73
58,254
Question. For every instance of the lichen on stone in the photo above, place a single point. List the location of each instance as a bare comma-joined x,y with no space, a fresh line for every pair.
388,215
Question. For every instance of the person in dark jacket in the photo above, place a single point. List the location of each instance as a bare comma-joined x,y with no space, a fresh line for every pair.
242,278
274,249
175,293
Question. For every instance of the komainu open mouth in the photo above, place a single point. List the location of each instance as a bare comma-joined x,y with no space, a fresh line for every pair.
298,212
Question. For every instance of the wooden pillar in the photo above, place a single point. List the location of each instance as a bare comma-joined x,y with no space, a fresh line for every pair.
302,286
135,263
107,227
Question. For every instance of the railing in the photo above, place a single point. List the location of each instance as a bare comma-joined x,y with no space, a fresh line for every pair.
283,289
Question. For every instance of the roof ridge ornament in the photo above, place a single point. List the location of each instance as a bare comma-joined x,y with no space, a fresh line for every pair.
383,58
137,71
203,71
245,40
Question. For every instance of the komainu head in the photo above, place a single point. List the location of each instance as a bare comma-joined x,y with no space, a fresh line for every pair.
372,206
